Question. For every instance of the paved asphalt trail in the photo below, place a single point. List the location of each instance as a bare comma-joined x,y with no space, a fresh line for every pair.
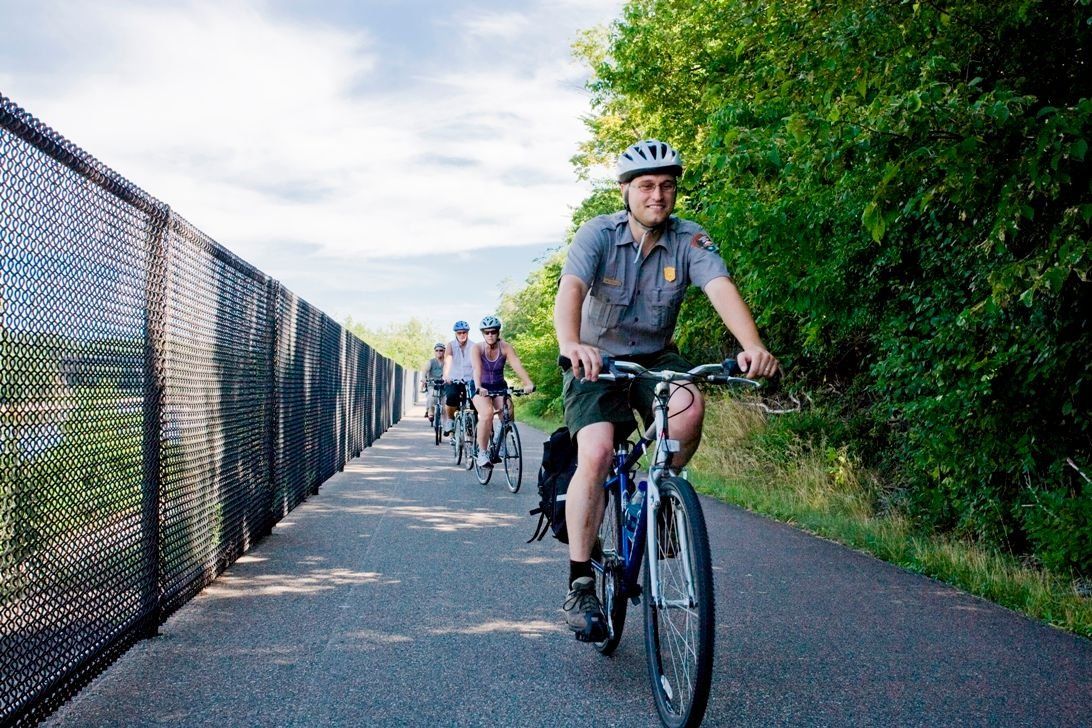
404,594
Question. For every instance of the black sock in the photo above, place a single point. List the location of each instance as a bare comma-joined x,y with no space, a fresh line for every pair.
578,569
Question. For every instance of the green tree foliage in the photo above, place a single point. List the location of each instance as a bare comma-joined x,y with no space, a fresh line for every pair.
902,191
408,343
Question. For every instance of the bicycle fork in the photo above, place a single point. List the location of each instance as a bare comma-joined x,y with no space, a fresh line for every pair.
661,465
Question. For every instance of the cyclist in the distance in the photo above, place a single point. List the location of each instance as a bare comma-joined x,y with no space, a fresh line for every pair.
433,369
489,358
458,371
623,282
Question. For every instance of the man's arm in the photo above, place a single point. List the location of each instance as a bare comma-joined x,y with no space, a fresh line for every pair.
754,360
517,366
571,291
447,364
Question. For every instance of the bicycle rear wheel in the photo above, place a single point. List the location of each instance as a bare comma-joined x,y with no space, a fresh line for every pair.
609,584
485,472
679,627
470,440
513,457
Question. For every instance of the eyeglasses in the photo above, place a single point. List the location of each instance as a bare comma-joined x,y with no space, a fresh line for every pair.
648,187
464,332
491,332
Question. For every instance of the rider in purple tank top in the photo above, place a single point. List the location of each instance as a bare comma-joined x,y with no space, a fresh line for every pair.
489,358
493,370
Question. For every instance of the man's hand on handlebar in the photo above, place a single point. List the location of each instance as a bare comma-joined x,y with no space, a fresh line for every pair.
756,362
586,360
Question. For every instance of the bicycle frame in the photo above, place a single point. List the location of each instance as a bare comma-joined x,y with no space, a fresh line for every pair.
641,533
504,417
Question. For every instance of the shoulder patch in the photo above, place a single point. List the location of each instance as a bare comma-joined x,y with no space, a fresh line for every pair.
702,240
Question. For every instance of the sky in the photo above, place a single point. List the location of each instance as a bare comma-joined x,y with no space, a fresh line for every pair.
383,159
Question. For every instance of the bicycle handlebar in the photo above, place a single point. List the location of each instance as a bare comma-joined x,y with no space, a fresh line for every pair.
514,391
613,370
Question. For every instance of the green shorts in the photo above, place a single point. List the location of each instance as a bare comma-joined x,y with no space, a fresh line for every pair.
589,402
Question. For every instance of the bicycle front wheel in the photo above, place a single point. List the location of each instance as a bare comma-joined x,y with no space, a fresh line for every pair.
437,422
609,583
457,440
513,457
679,624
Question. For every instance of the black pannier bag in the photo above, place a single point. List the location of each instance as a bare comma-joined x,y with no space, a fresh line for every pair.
558,466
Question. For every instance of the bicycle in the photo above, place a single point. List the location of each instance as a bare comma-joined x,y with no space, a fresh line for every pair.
505,444
462,438
437,386
660,519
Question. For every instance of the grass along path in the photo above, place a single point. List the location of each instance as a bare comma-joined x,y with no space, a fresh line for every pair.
823,492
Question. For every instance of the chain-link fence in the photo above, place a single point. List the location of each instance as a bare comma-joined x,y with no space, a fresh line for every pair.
162,404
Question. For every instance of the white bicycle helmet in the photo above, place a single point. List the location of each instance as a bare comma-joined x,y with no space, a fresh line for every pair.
439,346
649,156
490,322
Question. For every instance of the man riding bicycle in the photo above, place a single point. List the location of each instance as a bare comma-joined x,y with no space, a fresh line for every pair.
620,291
457,372
431,371
488,359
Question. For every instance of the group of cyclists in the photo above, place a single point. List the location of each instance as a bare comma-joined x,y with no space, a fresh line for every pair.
619,296
474,371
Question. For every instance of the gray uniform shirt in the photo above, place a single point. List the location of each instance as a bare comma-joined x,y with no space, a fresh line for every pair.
434,369
632,305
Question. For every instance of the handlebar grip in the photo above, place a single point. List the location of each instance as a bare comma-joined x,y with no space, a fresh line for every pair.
566,364
731,368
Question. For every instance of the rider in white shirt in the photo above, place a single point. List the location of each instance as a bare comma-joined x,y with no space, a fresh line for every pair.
458,372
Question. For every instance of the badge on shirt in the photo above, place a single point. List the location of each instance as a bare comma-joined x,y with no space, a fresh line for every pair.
669,273
703,241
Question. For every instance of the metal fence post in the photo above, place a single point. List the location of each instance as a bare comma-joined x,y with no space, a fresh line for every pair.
154,385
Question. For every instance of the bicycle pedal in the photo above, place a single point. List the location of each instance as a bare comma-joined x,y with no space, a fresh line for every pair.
635,597
584,637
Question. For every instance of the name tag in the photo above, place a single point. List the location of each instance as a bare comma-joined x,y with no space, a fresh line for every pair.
611,282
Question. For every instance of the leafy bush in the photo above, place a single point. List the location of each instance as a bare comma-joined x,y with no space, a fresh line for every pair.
902,192
1059,524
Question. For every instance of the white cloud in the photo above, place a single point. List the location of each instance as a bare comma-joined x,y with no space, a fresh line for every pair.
505,25
265,130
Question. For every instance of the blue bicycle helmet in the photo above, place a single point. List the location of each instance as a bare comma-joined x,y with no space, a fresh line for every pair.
461,326
490,322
